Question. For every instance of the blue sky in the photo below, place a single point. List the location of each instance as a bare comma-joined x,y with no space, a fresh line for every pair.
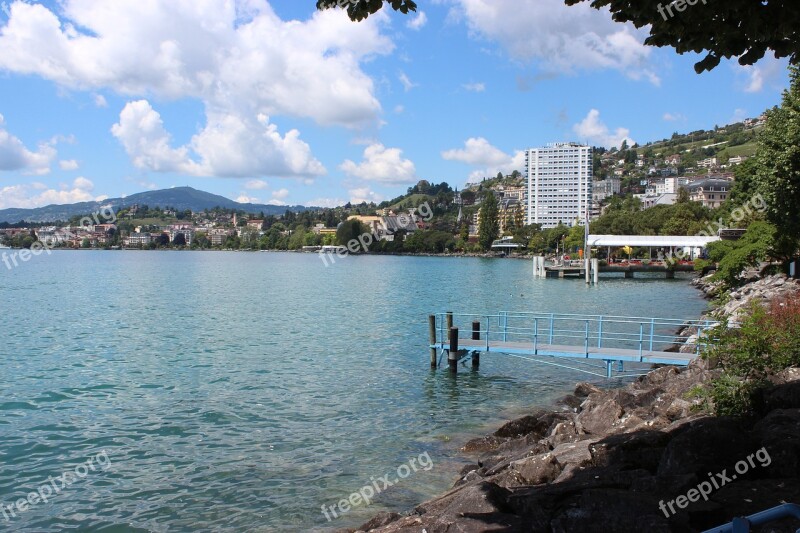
273,102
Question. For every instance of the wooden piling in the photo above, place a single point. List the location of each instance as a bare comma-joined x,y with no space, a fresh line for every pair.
452,355
432,336
476,336
449,320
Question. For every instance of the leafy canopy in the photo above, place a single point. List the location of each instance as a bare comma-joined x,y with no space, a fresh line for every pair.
776,171
361,9
744,29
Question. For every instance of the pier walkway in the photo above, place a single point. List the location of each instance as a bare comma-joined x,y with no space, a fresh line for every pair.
595,344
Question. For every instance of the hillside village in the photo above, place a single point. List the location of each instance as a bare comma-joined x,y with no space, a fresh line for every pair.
702,164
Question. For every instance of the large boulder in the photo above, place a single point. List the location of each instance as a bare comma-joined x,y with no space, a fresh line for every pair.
599,414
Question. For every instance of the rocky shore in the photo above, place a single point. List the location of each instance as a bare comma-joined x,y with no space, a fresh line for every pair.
624,459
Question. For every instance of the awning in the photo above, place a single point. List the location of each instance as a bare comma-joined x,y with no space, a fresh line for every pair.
652,241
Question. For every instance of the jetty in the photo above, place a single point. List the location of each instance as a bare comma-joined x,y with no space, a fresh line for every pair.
675,253
595,344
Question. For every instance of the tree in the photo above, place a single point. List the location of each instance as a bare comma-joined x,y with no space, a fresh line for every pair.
361,9
179,240
349,231
489,228
777,165
468,197
745,29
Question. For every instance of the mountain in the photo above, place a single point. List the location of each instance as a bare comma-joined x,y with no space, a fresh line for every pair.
180,198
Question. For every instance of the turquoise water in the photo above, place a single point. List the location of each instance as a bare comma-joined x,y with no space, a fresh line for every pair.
243,391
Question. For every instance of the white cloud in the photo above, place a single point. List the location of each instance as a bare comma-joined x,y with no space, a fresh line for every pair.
766,73
227,54
398,109
100,100
384,165
559,38
244,199
477,152
256,185
280,194
407,83
674,117
486,159
592,130
364,194
229,146
475,87
38,195
68,164
15,156
325,202
417,22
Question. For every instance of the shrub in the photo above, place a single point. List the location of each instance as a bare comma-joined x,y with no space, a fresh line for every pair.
767,341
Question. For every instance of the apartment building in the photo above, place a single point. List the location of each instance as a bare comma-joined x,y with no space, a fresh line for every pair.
559,179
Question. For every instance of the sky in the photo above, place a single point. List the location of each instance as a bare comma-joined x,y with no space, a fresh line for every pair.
274,102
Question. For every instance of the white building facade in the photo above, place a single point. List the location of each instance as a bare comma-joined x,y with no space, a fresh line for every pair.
559,178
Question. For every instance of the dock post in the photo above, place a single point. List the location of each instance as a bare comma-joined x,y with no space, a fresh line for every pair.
449,320
432,336
586,267
476,336
670,274
595,270
609,368
452,354
629,274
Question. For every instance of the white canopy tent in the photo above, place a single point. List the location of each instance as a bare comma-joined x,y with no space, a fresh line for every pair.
690,246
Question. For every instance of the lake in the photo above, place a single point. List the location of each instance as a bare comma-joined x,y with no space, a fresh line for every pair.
244,391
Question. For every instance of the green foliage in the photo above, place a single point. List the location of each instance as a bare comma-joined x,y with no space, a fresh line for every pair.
349,231
777,166
575,239
361,9
429,241
734,256
489,227
624,216
767,341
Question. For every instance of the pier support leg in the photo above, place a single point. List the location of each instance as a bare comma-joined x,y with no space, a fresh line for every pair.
476,336
628,274
595,270
449,320
452,355
609,368
432,338
670,274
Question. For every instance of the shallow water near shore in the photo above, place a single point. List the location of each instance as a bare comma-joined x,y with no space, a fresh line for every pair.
244,391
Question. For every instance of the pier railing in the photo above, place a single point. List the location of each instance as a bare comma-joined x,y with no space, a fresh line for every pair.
644,334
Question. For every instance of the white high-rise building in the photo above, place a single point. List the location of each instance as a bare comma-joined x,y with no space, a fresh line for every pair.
559,180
